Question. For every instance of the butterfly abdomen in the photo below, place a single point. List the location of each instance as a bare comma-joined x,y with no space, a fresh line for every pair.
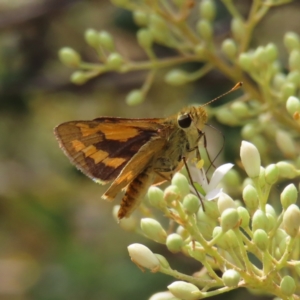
135,192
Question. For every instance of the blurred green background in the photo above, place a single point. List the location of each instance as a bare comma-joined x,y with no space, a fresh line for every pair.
58,239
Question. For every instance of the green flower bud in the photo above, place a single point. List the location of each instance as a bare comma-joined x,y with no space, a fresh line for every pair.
288,285
250,197
283,244
288,196
238,203
153,230
249,131
243,216
207,10
262,181
196,251
232,179
294,78
240,109
127,224
211,210
275,67
217,230
158,22
272,221
163,296
271,52
270,210
259,57
291,41
176,77
277,254
238,29
286,170
205,224
250,159
293,105
182,232
278,80
225,116
140,18
205,29
271,174
260,239
291,220
229,219
172,193
162,261
288,89
174,242
135,97
280,236
156,197
143,257
191,204
159,29
225,202
79,77
286,144
182,183
245,62
227,241
200,51
260,142
229,48
184,290
145,38
294,60
114,61
260,221
106,40
69,57
231,278
91,37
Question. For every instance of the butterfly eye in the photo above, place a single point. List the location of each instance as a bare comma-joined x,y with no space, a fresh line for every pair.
184,121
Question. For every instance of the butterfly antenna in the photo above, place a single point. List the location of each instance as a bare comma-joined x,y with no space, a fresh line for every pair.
236,87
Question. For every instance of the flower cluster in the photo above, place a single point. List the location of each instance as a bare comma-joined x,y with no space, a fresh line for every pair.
225,233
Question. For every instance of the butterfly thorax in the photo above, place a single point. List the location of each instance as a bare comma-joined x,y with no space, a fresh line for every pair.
182,132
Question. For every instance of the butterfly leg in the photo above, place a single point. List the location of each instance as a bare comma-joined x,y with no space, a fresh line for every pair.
135,192
192,183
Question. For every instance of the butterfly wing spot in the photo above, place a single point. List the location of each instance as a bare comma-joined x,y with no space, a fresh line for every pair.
109,131
77,145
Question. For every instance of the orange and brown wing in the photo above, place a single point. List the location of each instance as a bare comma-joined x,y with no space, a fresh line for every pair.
102,148
139,162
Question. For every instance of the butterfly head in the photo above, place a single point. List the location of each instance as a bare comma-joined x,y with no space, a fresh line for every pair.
192,116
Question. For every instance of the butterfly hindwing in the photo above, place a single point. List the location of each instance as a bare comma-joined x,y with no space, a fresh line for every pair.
139,162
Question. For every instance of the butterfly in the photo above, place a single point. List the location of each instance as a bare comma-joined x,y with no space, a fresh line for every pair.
132,154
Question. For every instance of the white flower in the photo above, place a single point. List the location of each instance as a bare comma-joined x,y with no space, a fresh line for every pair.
210,190
250,159
143,257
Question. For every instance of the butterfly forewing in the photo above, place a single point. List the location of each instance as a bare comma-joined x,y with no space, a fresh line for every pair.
102,148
